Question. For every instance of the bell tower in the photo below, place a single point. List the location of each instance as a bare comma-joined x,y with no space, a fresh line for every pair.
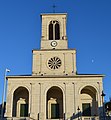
54,57
54,31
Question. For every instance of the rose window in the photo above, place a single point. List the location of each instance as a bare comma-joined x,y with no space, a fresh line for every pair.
54,63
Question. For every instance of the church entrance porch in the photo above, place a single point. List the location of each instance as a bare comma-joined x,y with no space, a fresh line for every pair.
54,104
20,102
89,101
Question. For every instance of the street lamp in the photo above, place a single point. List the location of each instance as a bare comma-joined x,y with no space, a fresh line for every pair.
103,94
78,109
4,93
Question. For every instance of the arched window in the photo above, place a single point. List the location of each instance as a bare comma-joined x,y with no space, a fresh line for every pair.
54,30
57,31
50,31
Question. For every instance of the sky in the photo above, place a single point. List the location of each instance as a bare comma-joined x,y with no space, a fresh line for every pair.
88,31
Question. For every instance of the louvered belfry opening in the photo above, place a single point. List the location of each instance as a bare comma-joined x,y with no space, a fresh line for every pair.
54,30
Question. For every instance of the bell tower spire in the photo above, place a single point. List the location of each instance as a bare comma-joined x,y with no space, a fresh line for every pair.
54,31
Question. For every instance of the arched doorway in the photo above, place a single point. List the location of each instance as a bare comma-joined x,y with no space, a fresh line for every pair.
20,102
89,102
54,103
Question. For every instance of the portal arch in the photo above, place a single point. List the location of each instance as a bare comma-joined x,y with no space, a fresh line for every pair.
20,102
88,100
54,103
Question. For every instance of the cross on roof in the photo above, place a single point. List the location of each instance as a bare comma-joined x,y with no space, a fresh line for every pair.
54,6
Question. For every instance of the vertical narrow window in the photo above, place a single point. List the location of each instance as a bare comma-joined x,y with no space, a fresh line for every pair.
57,31
50,31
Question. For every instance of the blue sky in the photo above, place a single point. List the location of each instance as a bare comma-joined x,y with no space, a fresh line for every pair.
88,30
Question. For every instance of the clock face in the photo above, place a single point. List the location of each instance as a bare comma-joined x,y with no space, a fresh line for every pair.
53,43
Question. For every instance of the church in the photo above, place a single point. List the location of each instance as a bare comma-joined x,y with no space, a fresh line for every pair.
54,90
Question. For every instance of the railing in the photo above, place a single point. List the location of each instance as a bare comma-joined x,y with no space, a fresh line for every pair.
80,118
25,118
90,118
17,118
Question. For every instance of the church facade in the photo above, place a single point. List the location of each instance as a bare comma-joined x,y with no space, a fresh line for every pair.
54,90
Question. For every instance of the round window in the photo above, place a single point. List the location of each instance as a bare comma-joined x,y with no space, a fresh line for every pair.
54,63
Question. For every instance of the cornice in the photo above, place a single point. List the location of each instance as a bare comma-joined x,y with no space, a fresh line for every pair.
58,76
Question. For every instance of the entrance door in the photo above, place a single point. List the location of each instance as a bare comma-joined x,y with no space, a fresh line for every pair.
86,109
54,111
23,110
